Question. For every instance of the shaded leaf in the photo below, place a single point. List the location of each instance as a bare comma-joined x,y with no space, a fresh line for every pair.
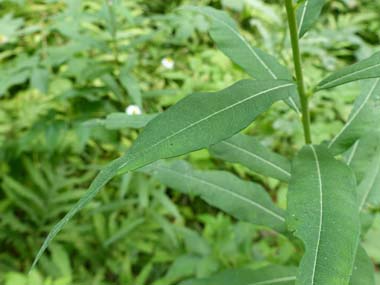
269,275
248,151
367,68
244,200
362,153
131,85
363,119
323,213
307,14
113,85
369,188
118,121
39,79
364,271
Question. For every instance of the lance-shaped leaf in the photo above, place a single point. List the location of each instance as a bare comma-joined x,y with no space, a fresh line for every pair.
364,271
362,154
195,122
364,118
118,121
270,275
323,213
367,68
244,200
248,151
131,85
307,14
258,64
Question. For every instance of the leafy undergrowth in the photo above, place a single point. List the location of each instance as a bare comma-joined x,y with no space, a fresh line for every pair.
66,65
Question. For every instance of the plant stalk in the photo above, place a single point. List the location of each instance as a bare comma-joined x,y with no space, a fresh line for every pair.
298,69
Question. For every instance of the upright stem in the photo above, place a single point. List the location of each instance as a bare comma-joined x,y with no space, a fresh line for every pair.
298,69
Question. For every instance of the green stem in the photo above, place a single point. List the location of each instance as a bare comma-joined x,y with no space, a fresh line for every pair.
298,69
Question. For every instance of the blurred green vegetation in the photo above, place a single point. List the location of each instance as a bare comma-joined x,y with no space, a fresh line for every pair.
67,64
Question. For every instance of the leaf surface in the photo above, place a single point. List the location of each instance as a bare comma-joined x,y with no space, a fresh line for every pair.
248,151
270,275
197,121
364,271
258,64
367,68
323,213
369,188
131,85
244,200
364,118
362,154
307,14
118,121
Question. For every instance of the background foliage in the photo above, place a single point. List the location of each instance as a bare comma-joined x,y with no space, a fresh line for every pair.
66,65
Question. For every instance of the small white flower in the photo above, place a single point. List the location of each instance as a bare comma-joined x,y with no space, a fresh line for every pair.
3,39
133,110
167,63
110,2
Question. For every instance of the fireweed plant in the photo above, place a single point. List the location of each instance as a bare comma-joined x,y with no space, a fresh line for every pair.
333,186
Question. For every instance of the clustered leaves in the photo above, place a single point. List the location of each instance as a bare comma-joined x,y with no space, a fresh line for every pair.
331,186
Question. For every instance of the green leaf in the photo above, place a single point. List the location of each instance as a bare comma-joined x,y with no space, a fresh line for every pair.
197,121
369,188
371,240
270,275
362,154
113,85
131,85
244,200
323,213
307,14
248,151
364,271
39,79
363,119
118,121
258,64
367,68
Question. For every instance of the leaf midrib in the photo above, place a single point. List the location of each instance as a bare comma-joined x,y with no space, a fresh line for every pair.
354,116
276,280
266,67
320,211
208,117
328,84
258,157
249,47
303,17
226,190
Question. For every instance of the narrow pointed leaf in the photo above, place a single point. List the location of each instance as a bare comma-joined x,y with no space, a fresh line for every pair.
307,14
364,271
244,200
364,118
195,122
131,85
118,121
323,213
367,68
258,64
248,151
270,275
224,31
